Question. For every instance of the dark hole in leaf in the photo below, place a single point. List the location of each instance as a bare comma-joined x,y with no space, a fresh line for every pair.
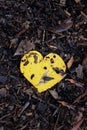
45,67
54,56
47,57
27,62
45,78
24,60
58,71
32,76
51,60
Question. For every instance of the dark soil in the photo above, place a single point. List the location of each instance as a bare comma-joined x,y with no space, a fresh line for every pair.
58,26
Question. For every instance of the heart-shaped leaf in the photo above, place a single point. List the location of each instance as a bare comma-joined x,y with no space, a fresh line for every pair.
43,73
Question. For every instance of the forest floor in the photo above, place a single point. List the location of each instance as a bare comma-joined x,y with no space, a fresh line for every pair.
58,26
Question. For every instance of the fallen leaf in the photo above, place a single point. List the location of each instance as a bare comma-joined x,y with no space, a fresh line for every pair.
43,71
70,62
24,46
78,124
54,94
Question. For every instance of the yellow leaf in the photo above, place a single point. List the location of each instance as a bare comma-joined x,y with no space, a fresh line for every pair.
43,73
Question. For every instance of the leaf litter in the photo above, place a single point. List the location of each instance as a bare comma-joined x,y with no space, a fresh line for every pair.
45,26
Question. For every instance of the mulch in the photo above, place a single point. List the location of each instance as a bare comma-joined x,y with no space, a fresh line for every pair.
58,26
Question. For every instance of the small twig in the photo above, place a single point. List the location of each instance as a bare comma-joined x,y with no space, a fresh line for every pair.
81,96
23,109
5,116
82,44
57,119
43,38
78,124
69,106
24,126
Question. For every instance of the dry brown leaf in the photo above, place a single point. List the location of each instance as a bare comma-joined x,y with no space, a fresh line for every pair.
24,46
78,124
70,62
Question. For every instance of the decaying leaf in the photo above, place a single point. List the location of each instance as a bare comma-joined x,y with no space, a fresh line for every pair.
41,71
70,62
54,94
79,71
24,46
